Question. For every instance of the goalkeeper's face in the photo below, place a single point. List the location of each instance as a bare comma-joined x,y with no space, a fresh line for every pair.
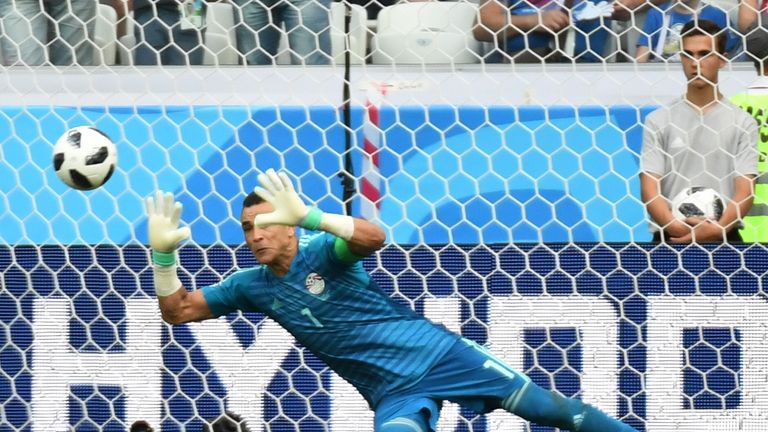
273,244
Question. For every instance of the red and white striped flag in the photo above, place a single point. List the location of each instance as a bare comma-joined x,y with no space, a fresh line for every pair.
372,140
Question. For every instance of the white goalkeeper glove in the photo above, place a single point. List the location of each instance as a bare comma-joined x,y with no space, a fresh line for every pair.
163,215
289,209
277,190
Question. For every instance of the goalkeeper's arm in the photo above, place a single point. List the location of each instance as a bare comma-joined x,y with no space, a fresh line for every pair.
359,236
176,303
366,238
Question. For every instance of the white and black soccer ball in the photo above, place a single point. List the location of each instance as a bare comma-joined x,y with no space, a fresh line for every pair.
698,202
84,158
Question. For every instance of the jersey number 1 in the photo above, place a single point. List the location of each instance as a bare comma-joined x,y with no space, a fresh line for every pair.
308,313
493,362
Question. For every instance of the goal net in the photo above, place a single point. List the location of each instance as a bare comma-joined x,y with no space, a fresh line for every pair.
508,187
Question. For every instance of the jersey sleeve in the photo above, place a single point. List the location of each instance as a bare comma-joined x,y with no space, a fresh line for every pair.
332,249
228,295
746,157
652,155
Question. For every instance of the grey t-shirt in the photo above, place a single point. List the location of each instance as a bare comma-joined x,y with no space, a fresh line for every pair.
686,148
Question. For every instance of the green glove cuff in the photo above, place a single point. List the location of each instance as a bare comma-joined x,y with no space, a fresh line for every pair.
341,248
312,219
164,259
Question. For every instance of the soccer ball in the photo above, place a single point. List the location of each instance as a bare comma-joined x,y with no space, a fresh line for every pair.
698,202
84,158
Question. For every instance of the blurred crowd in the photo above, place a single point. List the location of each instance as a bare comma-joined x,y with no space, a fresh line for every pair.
176,32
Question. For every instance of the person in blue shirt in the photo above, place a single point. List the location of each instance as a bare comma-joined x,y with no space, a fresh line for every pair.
533,31
660,39
315,286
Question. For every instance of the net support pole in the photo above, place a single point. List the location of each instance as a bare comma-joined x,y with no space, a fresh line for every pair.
347,175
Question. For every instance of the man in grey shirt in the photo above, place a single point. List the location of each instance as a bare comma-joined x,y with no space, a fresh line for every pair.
701,139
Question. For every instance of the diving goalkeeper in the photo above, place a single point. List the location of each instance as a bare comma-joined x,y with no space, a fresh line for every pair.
315,286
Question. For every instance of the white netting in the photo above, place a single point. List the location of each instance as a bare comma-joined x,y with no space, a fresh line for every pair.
508,188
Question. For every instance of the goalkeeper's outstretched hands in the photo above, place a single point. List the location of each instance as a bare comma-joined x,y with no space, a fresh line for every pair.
163,215
289,209
277,189
361,236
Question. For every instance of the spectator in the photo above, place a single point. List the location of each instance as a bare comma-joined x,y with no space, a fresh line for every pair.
28,25
629,19
755,102
228,422
701,139
750,14
660,39
534,31
168,32
307,24
141,426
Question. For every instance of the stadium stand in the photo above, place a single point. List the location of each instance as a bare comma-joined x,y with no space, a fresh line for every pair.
220,42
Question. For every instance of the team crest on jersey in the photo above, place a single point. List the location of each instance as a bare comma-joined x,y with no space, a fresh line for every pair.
315,283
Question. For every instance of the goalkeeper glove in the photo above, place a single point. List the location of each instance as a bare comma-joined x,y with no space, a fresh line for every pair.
289,209
164,237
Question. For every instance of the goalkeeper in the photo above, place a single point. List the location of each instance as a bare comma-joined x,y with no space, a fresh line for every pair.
316,288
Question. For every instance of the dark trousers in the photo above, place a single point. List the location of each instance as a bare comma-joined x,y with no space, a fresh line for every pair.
160,39
733,236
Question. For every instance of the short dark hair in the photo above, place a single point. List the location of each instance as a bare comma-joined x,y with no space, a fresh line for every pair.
227,422
141,426
697,27
756,44
252,199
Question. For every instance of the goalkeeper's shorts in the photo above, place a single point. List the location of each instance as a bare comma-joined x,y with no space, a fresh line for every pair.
467,374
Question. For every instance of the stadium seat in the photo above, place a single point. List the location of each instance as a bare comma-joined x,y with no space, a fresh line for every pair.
428,32
612,51
105,35
220,39
358,33
358,36
126,42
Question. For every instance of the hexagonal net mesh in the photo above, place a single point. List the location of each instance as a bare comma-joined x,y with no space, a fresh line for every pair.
501,155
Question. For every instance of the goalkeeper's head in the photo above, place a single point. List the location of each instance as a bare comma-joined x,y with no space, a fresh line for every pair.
270,244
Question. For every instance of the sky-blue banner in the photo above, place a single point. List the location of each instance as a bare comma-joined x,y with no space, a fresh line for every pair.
465,174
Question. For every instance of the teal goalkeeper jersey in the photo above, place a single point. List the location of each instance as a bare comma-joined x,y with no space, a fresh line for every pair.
336,311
